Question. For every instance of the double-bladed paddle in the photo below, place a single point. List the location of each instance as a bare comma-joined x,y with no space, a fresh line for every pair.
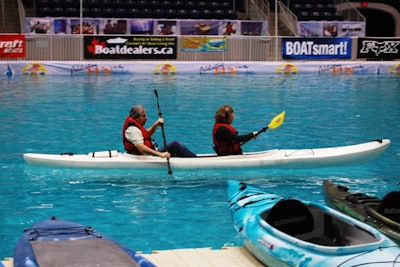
162,130
274,123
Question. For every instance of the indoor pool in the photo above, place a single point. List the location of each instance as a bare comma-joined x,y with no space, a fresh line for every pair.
148,211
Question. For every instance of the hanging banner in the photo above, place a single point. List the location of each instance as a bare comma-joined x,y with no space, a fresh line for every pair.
130,47
203,44
378,48
12,46
316,48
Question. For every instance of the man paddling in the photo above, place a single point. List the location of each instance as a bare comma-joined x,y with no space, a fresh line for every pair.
137,139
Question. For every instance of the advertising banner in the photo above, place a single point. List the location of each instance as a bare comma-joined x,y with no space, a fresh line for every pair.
12,46
331,28
130,47
181,68
316,48
378,48
203,44
142,26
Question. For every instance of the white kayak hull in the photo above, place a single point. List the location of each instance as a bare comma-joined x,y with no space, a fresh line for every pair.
275,158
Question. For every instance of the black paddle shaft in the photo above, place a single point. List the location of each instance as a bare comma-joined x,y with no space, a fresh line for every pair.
162,130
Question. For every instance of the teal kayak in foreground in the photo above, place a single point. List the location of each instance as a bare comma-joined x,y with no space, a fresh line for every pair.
275,158
383,214
291,232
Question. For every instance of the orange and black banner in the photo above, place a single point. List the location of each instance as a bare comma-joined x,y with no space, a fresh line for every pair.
130,47
12,46
378,48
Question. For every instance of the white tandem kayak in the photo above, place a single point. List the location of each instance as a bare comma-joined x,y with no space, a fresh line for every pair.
275,158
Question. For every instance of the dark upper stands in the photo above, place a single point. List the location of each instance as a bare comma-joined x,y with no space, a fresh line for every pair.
167,9
325,9
393,3
315,10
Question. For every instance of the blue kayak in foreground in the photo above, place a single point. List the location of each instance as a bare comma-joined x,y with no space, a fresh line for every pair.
291,232
56,242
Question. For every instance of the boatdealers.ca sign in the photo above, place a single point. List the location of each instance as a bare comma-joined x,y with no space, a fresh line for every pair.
316,48
130,47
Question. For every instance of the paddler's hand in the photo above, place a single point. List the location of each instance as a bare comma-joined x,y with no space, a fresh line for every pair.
160,121
255,135
165,154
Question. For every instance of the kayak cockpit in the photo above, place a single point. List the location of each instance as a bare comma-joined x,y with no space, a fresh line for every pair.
312,224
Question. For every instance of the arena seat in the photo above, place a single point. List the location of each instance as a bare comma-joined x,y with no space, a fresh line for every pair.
206,14
44,11
315,15
166,4
95,12
121,12
338,16
182,13
86,12
146,13
130,3
178,4
158,13
219,14
155,3
231,14
119,3
171,13
326,15
228,5
55,3
71,12
133,13
58,11
143,4
303,16
106,3
71,3
216,5
91,3
42,3
194,13
190,5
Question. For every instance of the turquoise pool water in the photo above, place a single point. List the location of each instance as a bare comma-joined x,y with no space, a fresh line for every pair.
148,211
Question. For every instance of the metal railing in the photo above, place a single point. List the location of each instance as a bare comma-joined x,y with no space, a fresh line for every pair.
287,17
70,48
21,13
350,14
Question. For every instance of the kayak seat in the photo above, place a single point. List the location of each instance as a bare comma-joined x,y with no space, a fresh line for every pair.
291,216
390,206
359,198
330,236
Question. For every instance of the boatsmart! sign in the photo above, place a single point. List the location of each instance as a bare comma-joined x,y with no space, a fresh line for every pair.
130,47
316,48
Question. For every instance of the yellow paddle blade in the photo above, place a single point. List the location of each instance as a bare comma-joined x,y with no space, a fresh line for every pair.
277,120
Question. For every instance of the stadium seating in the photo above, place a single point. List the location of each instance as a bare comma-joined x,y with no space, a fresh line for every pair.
179,9
306,10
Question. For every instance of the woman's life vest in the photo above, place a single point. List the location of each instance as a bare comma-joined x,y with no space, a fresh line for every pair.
128,145
230,147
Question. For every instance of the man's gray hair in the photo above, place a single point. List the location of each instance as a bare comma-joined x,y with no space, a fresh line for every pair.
135,111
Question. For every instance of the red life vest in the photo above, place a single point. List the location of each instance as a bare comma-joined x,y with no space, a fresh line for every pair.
231,147
129,146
